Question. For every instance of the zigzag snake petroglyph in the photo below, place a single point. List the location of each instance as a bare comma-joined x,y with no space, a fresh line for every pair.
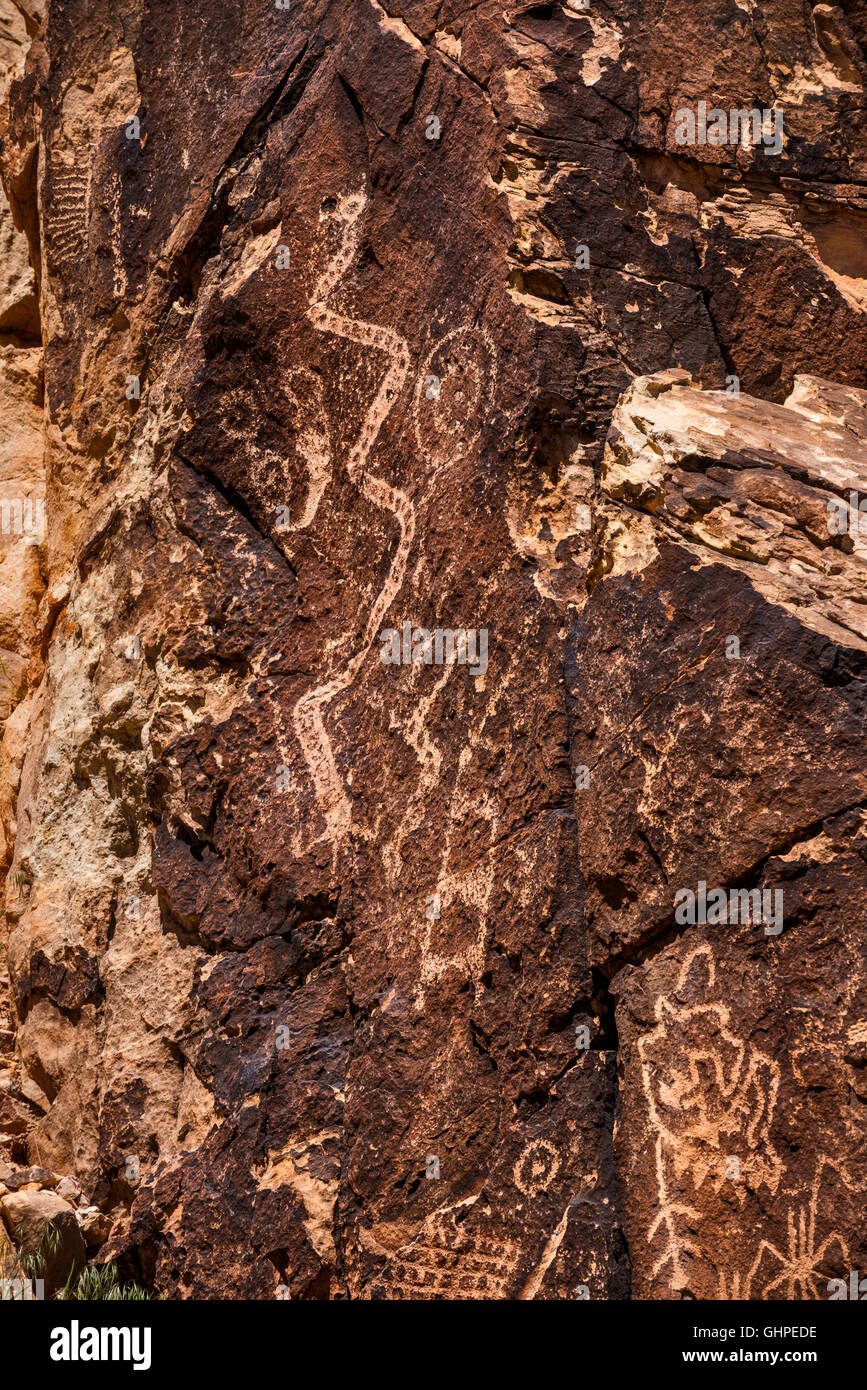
308,715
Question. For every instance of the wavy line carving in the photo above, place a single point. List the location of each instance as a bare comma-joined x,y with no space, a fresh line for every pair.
309,713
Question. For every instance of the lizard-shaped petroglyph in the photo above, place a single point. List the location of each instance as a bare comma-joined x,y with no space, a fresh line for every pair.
797,1269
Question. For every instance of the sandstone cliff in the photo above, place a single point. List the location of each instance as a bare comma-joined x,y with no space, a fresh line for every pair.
334,331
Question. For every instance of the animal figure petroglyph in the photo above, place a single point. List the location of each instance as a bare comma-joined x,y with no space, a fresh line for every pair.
798,1270
464,363
708,1096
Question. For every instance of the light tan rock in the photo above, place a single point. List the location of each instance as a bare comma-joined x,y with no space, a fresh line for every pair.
19,310
28,1215
750,483
96,1227
69,1189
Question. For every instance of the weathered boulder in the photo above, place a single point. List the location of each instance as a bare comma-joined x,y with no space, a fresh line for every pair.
70,1190
32,1177
40,1222
95,1226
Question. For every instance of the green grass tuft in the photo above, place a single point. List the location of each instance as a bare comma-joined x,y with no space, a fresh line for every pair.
101,1284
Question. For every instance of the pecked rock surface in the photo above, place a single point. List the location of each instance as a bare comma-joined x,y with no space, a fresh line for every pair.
717,679
335,978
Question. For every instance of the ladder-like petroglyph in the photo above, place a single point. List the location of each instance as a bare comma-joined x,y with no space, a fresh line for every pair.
67,214
309,713
445,1261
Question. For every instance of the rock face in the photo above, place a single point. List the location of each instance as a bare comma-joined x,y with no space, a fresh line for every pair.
718,684
22,579
375,336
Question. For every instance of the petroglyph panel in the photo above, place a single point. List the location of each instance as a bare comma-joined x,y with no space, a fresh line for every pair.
716,1120
417,317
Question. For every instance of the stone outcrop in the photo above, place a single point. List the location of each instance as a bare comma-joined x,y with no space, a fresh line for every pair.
718,686
347,330
22,576
48,1232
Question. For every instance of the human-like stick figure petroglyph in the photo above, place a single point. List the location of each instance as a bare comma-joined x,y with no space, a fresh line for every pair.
466,892
309,713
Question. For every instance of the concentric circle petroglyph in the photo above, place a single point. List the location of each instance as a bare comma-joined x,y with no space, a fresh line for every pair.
537,1167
